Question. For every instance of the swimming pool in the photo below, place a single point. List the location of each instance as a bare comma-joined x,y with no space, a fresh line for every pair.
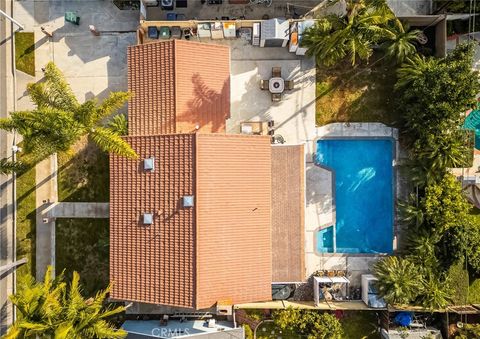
363,174
472,121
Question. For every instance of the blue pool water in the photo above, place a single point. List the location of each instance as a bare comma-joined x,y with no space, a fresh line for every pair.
472,121
363,195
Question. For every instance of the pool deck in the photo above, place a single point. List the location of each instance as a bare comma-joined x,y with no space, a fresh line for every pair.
320,202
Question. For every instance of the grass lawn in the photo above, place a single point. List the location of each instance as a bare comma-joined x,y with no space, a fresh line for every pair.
360,325
82,244
355,95
25,52
26,217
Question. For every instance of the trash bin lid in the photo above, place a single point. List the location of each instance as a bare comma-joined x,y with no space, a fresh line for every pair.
164,32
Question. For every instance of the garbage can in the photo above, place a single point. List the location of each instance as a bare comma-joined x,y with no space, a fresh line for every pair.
72,18
164,32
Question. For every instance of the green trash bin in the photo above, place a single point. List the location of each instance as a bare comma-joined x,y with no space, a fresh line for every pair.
72,17
164,32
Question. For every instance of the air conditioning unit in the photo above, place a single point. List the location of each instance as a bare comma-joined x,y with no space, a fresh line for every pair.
166,4
211,323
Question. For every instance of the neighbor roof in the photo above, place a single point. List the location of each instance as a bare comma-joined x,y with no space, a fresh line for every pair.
218,250
288,206
177,85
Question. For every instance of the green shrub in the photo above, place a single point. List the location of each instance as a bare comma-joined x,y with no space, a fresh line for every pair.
248,331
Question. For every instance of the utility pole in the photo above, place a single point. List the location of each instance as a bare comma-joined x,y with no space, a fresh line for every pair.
12,20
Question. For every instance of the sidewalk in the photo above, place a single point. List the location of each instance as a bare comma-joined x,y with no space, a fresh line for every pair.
46,192
7,184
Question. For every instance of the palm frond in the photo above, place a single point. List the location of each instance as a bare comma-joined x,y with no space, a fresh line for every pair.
118,124
111,142
9,166
111,104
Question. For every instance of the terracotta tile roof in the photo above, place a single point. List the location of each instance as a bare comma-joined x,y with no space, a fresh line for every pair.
233,219
153,263
288,207
178,85
220,250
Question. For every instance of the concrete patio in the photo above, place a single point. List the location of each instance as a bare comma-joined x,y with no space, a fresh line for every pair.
294,115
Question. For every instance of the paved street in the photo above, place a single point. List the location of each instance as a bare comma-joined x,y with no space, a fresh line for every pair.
7,235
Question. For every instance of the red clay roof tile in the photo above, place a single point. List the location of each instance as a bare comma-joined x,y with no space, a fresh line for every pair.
288,206
178,85
192,257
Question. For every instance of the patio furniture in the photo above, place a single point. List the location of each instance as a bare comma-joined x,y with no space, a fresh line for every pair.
276,97
276,72
277,139
289,84
276,85
263,84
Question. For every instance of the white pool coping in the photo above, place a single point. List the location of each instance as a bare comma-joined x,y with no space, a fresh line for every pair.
315,260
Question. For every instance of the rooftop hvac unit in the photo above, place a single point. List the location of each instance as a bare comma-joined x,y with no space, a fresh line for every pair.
147,218
149,164
166,4
187,201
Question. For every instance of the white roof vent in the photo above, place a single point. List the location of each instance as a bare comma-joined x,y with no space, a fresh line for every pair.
187,201
147,218
149,164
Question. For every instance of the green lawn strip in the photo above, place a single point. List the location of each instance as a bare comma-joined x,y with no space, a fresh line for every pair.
82,244
26,217
356,95
25,52
360,325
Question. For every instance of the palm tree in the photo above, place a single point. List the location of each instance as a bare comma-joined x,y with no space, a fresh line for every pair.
400,43
334,37
410,213
50,309
412,69
59,119
119,124
9,166
398,280
434,294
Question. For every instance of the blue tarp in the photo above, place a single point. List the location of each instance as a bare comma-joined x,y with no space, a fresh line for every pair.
403,318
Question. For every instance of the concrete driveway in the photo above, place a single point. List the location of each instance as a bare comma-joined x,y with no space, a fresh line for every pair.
93,65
